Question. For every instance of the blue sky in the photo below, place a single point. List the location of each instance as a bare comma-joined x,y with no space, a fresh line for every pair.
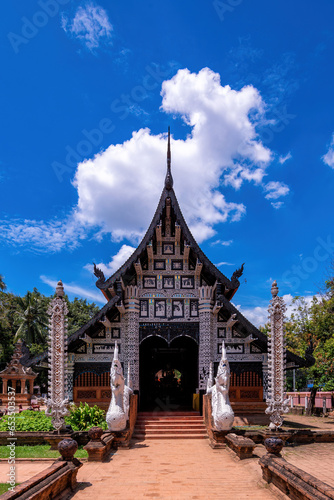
88,90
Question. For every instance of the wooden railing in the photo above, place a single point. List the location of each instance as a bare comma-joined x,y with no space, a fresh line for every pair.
92,394
246,393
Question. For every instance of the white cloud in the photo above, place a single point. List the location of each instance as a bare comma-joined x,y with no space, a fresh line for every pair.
328,158
226,243
90,25
277,204
283,159
76,290
259,315
119,188
275,190
116,261
224,264
128,177
50,236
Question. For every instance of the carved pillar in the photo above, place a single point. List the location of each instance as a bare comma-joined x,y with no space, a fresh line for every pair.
14,385
265,376
131,354
57,391
31,386
205,327
277,405
70,376
23,384
4,387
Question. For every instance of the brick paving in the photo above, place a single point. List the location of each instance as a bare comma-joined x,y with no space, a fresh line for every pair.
316,459
189,469
299,421
172,470
24,470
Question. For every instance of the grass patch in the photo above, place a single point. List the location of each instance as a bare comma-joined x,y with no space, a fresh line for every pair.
250,427
4,487
38,451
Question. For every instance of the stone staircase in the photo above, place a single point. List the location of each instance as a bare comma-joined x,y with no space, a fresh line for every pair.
170,425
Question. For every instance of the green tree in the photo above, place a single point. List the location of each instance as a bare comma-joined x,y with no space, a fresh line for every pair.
79,313
322,312
32,320
2,284
7,325
299,327
313,324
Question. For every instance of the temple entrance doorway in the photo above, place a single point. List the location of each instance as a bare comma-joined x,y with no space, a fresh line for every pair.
168,373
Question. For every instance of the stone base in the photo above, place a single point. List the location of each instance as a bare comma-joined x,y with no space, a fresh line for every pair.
243,447
59,479
99,450
216,438
122,438
294,482
284,435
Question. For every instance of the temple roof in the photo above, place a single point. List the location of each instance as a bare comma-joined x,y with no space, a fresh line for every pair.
209,270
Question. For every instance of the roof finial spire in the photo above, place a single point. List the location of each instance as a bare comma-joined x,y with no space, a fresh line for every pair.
169,178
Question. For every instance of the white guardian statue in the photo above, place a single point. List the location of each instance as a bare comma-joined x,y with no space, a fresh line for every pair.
118,412
222,412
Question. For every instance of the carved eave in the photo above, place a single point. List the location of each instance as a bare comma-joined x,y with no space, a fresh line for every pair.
198,269
139,270
150,251
186,252
232,320
120,306
105,322
217,307
158,233
177,234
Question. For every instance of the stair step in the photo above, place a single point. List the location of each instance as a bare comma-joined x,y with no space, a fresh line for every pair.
171,431
171,426
168,413
181,419
169,436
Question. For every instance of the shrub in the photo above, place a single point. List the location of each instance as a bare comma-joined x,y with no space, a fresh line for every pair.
83,417
28,421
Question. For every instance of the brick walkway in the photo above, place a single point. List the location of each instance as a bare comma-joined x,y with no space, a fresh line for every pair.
172,470
24,470
300,421
316,459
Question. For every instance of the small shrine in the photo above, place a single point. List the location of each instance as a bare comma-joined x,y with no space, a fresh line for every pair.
18,377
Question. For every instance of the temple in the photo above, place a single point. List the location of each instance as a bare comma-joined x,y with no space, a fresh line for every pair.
170,310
